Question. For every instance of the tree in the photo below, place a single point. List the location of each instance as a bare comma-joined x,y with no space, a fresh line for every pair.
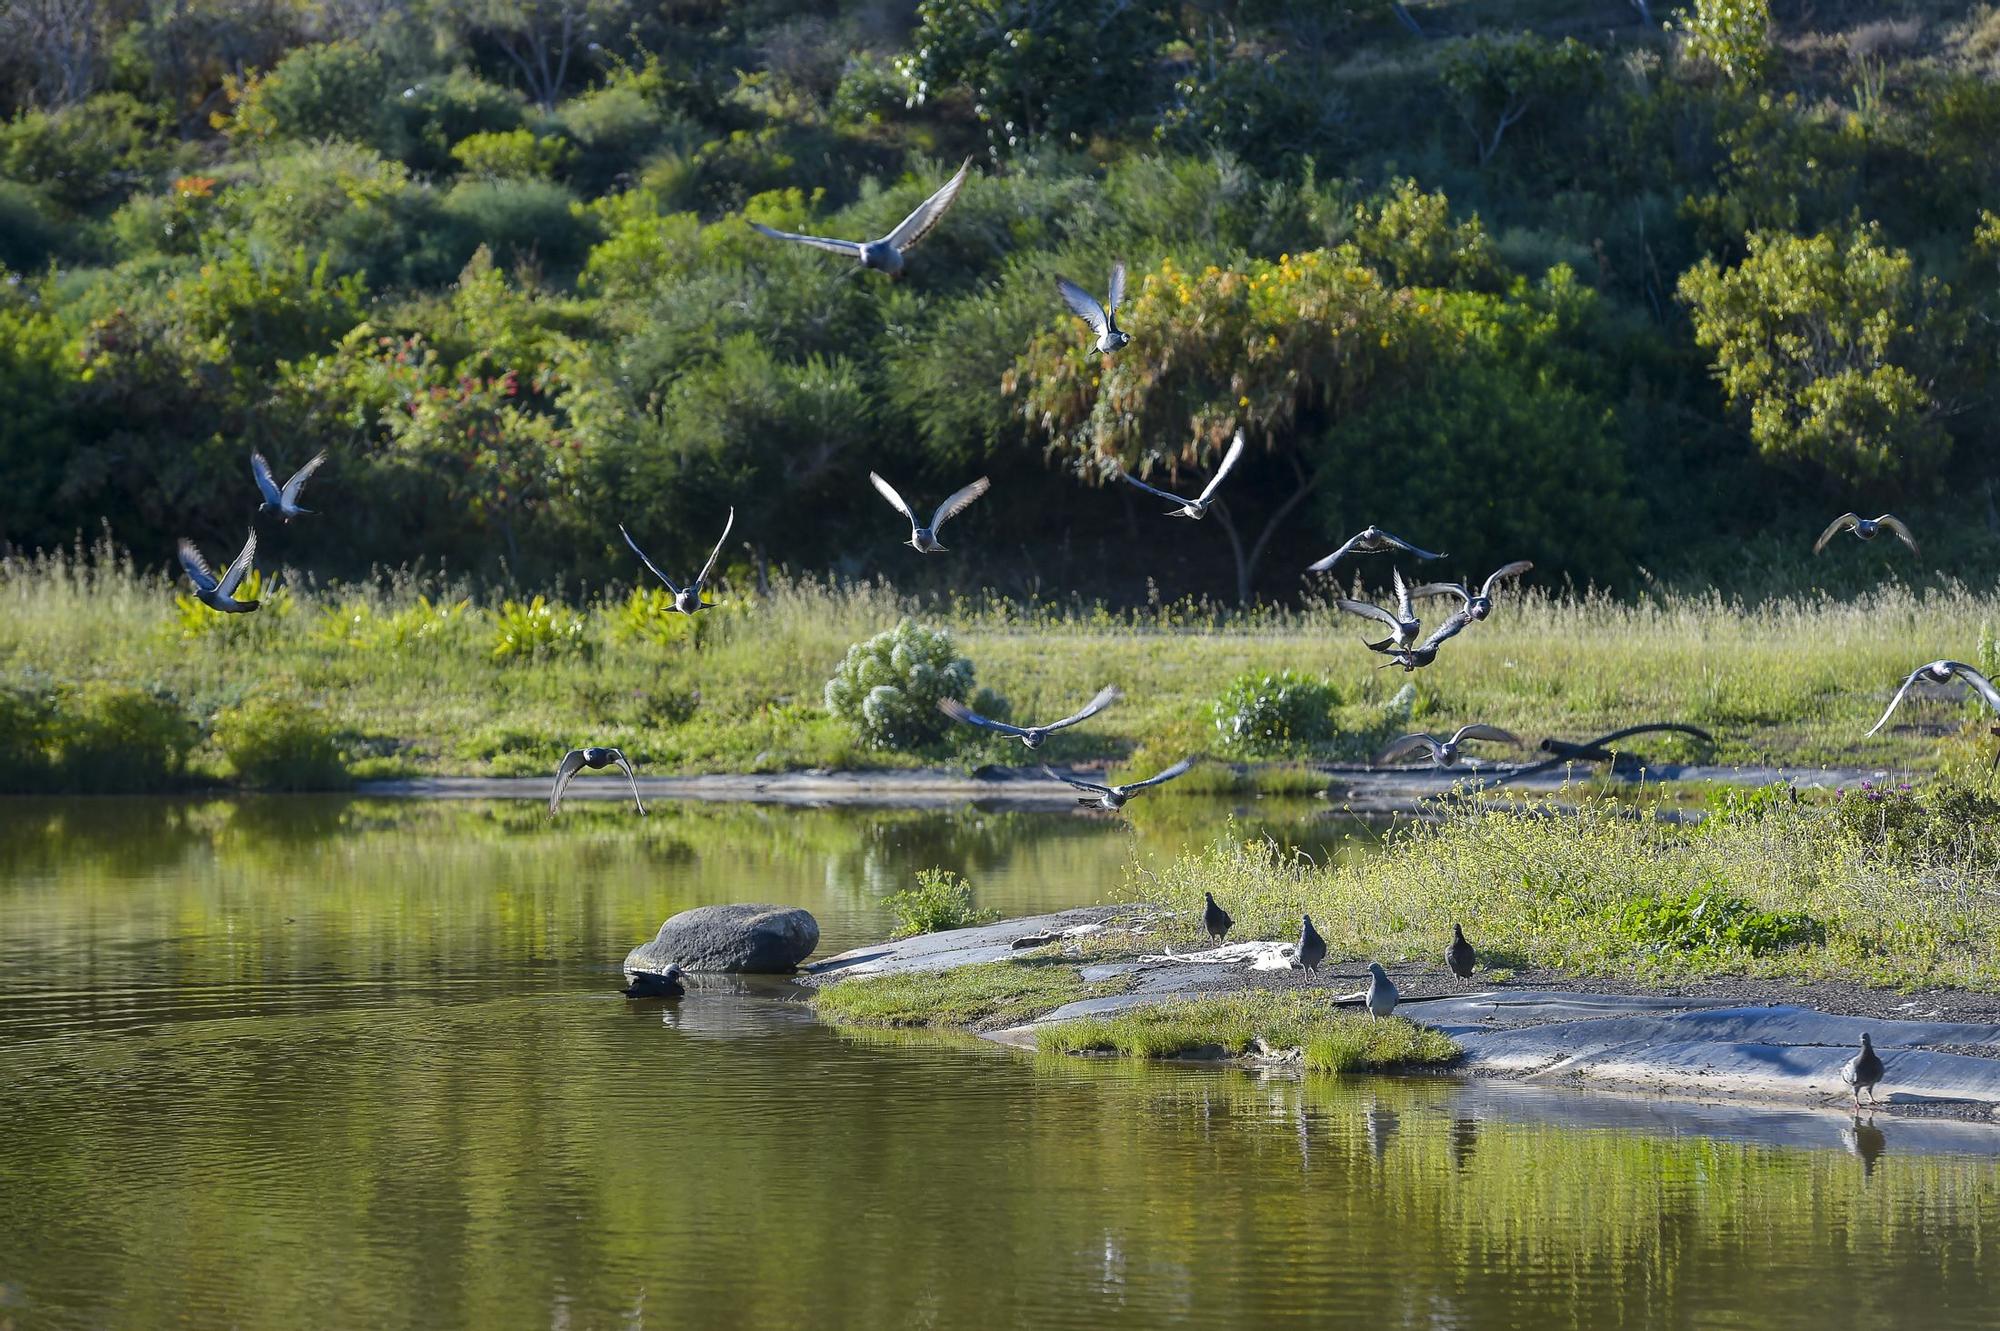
1497,81
540,38
1281,351
1822,340
61,40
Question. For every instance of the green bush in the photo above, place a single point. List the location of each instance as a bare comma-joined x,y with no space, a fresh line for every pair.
280,744
889,686
25,730
1271,716
85,154
31,233
515,154
941,900
432,114
112,737
333,91
1709,921
538,629
518,219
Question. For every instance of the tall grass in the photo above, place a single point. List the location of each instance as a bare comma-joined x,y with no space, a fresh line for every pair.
406,667
1327,1038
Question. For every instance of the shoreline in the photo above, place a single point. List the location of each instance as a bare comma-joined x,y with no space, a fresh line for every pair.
1736,1041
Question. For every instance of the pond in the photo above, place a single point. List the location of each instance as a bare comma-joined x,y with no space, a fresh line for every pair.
325,1062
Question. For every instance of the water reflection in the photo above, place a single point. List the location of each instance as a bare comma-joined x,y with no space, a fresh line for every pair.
332,1063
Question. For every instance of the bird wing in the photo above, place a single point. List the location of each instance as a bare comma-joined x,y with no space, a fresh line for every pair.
571,764
1494,733
889,493
1897,700
1977,681
197,568
1407,744
631,776
1083,305
1322,565
267,484
847,247
1107,695
232,577
919,223
1117,292
1367,611
1160,779
709,567
958,502
1402,544
958,711
1151,490
1228,461
300,477
1441,589
1054,775
1449,628
1403,610
1896,525
1513,570
1845,522
646,561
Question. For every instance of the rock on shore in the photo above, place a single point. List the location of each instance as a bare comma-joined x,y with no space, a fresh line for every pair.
742,938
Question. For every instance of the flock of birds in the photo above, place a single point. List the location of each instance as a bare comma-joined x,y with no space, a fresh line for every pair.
1404,644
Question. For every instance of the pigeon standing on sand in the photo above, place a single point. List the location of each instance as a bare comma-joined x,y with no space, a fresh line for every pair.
1381,999
1103,319
1215,919
220,593
286,499
1460,956
577,759
884,255
1863,1070
1312,948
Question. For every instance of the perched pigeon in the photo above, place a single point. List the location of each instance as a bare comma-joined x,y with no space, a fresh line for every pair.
1867,529
1032,736
1103,319
1941,672
687,599
1196,508
885,255
577,759
220,593
1863,1071
1312,948
1382,995
1478,604
1215,919
1459,956
1369,541
924,539
285,500
1444,752
1114,797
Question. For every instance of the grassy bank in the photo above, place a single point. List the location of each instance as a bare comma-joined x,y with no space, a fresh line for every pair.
1231,1025
1882,886
990,996
408,677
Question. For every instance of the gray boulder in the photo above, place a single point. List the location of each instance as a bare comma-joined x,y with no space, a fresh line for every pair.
749,939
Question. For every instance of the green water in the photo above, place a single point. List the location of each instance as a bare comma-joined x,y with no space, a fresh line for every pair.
324,1063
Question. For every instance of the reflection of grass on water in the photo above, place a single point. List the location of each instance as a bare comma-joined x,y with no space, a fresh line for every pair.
1331,1039
1001,993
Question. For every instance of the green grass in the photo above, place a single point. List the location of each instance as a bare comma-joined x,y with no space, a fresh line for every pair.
1000,993
1331,1039
404,673
1888,887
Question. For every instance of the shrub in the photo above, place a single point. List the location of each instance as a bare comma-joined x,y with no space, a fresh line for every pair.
1707,920
30,231
889,686
1732,37
941,900
81,154
871,92
112,737
1266,716
648,615
25,714
333,91
280,744
515,154
435,113
538,629
518,219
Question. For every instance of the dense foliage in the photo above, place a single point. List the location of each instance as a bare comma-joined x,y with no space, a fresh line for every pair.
1539,279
